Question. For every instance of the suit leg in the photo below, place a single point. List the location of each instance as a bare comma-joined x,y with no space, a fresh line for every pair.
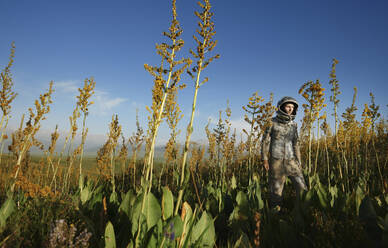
276,182
296,176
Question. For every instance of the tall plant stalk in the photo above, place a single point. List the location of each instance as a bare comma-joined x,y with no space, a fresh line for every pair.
136,141
114,134
42,107
163,87
71,136
334,97
84,102
374,115
327,133
252,108
7,95
205,44
314,95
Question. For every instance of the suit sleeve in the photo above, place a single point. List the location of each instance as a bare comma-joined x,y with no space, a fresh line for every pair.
296,145
265,142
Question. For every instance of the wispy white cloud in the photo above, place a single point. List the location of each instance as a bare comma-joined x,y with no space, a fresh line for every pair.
104,102
137,105
238,124
69,86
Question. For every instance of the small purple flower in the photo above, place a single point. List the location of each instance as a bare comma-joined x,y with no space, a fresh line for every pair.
170,233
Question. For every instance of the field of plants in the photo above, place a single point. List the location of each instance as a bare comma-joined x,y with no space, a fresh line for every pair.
213,195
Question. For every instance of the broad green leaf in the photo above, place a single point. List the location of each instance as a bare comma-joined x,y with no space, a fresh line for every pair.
234,182
381,223
238,242
186,213
188,225
187,175
153,241
6,210
349,199
136,213
235,215
177,226
203,232
186,216
261,202
167,203
322,195
242,201
176,176
152,211
125,205
159,228
95,199
334,194
258,194
359,197
322,198
309,195
211,205
220,200
114,198
87,190
110,239
379,202
208,238
130,244
210,188
240,211
85,195
243,241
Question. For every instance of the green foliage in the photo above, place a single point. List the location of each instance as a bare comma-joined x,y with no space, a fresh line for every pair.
86,192
203,232
152,211
110,239
225,197
5,211
167,203
127,202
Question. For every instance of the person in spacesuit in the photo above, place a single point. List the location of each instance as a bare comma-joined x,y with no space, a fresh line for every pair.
280,151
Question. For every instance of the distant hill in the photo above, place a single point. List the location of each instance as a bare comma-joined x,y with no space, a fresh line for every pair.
93,144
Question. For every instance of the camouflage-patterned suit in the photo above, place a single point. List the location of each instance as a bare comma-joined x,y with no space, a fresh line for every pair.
280,146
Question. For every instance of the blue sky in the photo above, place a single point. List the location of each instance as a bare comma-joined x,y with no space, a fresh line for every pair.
265,46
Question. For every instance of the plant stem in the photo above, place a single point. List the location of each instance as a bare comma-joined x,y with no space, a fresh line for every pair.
190,126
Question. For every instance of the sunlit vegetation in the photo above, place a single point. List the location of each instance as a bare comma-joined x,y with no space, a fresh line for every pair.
212,195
